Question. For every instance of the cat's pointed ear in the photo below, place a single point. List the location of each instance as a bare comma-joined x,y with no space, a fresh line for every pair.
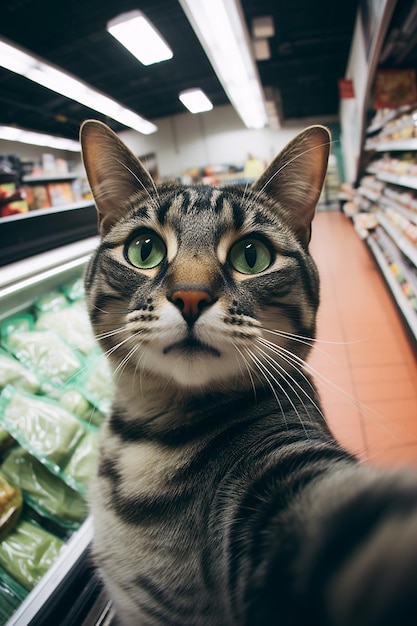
295,178
113,172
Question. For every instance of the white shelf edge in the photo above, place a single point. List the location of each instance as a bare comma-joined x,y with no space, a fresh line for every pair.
373,196
404,180
395,289
388,146
72,551
52,178
400,241
407,213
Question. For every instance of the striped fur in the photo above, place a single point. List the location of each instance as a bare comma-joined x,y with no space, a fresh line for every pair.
221,497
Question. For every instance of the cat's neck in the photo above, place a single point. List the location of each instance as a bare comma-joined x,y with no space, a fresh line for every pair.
157,408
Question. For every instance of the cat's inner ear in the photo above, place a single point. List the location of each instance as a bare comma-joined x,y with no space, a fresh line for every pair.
113,172
295,178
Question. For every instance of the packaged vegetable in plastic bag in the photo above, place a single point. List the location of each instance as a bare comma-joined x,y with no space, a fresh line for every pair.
74,400
45,353
51,301
96,381
74,289
11,596
72,324
12,372
46,493
83,462
18,323
41,426
27,553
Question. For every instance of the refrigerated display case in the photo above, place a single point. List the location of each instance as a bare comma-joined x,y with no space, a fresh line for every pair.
69,594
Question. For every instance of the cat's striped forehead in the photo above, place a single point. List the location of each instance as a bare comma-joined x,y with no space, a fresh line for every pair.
201,211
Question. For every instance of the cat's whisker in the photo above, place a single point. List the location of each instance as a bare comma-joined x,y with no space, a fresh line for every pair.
285,374
289,357
309,341
266,374
123,363
247,368
372,415
111,333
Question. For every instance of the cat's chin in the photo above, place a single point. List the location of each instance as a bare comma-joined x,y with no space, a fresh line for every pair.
194,369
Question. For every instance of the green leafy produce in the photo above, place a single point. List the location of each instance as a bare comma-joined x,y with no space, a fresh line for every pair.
40,425
44,491
45,352
27,553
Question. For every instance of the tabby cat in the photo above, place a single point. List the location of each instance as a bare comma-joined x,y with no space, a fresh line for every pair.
222,498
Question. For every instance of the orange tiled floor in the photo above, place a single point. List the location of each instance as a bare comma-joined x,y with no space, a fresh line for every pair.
370,400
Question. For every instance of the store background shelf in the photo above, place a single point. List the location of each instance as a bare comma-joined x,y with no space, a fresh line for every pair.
26,234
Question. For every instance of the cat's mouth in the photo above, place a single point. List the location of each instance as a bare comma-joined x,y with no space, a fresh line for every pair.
191,345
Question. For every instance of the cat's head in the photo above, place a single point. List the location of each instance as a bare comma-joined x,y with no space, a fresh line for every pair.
200,286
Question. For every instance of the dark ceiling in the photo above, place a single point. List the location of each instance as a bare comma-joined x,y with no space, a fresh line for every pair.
309,53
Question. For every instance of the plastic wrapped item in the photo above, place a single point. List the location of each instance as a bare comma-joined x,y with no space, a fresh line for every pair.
74,400
45,353
14,373
27,553
72,324
52,301
41,426
51,434
11,503
74,289
84,460
6,440
97,382
46,493
11,596
17,323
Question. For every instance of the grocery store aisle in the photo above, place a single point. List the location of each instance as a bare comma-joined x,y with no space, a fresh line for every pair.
370,398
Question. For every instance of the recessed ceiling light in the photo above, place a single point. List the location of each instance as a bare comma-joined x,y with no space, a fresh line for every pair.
136,33
195,100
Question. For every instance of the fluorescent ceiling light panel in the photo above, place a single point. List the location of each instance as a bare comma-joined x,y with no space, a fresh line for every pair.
195,100
41,72
10,133
221,29
134,31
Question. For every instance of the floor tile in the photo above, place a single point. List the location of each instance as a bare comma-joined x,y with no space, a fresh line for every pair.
367,377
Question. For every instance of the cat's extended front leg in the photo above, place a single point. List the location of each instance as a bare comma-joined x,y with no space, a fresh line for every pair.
348,556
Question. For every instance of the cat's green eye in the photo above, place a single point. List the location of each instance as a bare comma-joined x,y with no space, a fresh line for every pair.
250,256
146,251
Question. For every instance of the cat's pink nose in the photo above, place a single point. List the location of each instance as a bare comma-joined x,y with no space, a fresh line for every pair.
191,302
